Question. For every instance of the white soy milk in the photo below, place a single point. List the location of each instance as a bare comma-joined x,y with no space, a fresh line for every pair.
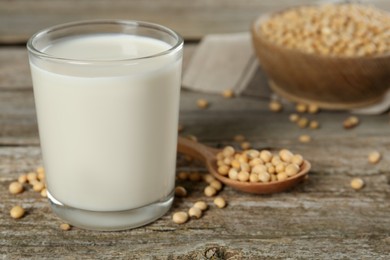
108,133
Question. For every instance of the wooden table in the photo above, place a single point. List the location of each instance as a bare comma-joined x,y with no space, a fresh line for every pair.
320,219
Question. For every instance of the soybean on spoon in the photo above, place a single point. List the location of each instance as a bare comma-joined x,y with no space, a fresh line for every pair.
207,155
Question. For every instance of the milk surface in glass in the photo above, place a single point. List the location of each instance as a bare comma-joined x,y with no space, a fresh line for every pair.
108,133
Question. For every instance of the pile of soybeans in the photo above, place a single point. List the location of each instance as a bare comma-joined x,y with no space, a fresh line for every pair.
331,30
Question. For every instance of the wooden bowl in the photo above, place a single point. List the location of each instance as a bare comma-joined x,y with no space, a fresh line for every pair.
329,82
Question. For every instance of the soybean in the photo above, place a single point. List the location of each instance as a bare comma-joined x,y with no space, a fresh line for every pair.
305,138
243,176
208,178
17,212
180,191
32,176
275,106
313,109
228,93
201,205
195,176
220,202
294,118
266,156
22,178
202,103
65,227
264,177
195,212
253,177
297,159
292,169
351,122
357,183
223,169
374,157
44,192
303,122
286,155
180,217
228,151
245,145
38,186
314,124
182,176
15,187
216,185
281,176
301,108
233,174
210,191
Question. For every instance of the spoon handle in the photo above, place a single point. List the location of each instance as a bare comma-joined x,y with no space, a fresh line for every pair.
196,150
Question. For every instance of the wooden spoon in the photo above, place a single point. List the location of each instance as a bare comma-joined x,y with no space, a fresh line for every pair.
208,156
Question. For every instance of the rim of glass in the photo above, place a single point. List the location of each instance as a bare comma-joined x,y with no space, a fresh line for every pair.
32,49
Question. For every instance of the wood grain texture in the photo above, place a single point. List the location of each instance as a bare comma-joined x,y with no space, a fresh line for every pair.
19,19
322,218
14,70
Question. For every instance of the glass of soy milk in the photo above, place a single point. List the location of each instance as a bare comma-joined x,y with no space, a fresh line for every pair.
107,99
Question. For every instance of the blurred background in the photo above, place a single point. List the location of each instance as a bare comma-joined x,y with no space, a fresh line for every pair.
19,19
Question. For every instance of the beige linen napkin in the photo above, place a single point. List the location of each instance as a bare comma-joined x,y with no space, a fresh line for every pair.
221,62
228,61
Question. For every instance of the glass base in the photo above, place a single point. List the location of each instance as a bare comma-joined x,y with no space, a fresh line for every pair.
111,220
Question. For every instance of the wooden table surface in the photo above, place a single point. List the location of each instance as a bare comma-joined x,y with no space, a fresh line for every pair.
323,218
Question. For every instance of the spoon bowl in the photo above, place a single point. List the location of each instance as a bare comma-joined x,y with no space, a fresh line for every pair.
208,156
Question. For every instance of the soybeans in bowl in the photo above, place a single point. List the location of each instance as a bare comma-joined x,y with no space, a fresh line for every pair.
336,56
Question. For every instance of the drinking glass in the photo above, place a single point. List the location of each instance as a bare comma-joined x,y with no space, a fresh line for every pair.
107,100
